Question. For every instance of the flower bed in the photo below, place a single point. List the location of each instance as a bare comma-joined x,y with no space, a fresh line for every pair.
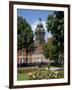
38,74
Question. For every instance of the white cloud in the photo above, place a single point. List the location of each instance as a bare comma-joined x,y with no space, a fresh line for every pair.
34,25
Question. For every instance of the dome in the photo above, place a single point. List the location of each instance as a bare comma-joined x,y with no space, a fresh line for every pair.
40,25
40,28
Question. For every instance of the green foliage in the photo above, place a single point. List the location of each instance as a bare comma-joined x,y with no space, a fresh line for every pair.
24,34
49,49
55,25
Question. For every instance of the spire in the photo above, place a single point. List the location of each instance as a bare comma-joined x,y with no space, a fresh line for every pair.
40,19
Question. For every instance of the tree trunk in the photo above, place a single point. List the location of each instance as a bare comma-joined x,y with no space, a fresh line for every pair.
62,59
49,65
57,62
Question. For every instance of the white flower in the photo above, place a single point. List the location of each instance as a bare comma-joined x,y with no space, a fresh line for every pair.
46,68
30,73
56,72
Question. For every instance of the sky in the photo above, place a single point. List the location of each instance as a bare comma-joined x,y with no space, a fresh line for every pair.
32,17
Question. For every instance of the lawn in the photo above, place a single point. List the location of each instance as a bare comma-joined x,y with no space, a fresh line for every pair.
22,76
35,73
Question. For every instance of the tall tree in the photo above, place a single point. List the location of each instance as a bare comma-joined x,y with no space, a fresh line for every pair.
48,50
24,35
55,25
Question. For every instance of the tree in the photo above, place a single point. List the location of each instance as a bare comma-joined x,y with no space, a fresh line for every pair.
55,25
48,49
24,35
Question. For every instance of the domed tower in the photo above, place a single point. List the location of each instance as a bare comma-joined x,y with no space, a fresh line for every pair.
40,33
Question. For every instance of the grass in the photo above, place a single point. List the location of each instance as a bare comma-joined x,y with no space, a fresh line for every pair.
35,73
22,76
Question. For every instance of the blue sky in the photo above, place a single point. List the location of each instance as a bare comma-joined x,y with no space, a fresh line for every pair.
32,17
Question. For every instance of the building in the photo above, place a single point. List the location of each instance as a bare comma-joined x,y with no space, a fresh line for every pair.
37,54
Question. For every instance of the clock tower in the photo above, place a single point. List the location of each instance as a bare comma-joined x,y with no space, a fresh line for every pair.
40,33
